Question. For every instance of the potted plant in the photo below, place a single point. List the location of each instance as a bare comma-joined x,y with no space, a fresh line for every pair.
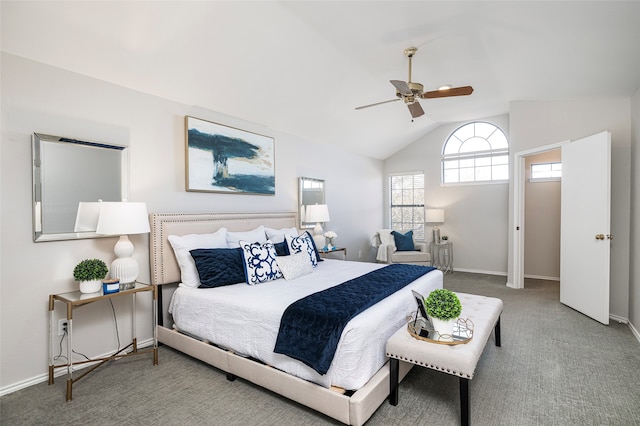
443,308
444,238
90,273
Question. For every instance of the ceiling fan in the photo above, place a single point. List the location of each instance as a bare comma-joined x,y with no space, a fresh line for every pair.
411,91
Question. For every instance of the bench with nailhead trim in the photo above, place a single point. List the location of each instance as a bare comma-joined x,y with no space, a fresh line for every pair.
458,360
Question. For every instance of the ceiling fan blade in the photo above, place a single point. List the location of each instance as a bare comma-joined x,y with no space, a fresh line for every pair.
377,103
415,109
454,91
402,87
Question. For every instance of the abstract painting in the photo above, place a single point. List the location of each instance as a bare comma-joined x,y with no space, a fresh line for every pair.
229,160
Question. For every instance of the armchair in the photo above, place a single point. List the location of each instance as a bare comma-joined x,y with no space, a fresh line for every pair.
388,253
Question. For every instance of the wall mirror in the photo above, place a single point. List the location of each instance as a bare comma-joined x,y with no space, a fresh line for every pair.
311,191
67,172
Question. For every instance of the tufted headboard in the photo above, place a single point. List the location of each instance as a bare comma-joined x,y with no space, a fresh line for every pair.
163,263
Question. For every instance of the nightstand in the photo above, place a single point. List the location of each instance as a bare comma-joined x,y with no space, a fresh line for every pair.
442,256
324,252
74,299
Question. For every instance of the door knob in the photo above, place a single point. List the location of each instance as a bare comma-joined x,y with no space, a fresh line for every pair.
599,236
609,237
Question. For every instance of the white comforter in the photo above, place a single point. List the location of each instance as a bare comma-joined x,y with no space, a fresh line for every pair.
246,319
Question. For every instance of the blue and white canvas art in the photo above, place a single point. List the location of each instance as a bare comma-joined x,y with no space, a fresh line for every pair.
225,159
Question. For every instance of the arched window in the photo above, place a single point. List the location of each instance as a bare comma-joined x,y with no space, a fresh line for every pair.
476,152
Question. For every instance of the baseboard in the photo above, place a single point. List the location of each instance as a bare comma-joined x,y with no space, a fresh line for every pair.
478,271
542,277
61,372
616,318
634,331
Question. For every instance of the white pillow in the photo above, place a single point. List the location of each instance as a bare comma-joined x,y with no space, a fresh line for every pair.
183,244
260,262
277,235
254,236
295,265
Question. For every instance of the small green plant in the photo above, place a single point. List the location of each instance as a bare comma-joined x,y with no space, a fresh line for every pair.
443,304
90,269
444,238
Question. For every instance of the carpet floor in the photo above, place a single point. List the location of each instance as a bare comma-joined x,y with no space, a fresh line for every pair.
555,367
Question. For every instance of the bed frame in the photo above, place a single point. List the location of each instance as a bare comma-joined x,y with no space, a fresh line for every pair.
353,409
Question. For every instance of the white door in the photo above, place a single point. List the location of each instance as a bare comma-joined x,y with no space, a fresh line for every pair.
585,225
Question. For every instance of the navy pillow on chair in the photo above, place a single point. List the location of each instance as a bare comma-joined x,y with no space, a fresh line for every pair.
404,242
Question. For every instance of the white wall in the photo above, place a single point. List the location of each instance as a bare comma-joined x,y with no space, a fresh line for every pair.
40,98
634,279
542,219
537,123
475,215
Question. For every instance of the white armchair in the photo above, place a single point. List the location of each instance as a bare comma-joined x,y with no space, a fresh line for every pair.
387,252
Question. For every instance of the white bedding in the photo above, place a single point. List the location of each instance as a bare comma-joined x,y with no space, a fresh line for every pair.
246,320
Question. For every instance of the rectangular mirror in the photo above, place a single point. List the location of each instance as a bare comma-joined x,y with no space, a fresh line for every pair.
311,191
67,172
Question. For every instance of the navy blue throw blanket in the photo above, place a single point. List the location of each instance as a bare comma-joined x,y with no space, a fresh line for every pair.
311,327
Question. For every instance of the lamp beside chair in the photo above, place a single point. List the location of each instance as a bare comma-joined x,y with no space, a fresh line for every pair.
435,216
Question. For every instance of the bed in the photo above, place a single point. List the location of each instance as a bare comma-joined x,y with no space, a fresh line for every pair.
355,384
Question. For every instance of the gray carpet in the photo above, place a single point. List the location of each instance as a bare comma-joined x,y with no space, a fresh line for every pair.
555,367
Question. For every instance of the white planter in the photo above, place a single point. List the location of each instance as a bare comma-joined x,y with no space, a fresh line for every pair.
444,329
92,286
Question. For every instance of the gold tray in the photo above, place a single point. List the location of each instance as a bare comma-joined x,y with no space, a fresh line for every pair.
462,331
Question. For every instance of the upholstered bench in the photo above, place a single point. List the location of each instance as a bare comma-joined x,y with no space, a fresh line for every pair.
458,360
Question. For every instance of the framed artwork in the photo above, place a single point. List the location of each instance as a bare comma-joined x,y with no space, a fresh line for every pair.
225,159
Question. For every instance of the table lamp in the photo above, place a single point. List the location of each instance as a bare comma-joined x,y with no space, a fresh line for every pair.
87,216
123,218
318,213
434,216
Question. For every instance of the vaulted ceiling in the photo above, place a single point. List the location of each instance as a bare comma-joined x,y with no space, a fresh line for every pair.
301,67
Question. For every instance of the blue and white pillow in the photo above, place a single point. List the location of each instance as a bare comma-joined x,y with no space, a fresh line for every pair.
303,244
259,262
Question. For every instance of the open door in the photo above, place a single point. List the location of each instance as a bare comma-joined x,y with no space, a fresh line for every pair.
585,225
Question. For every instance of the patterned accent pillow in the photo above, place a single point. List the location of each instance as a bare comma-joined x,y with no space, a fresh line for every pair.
259,262
294,266
303,244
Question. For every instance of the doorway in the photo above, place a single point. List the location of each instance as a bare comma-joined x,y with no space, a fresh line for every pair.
586,204
542,200
519,180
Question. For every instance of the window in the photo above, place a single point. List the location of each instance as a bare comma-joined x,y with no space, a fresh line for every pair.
407,203
476,152
544,172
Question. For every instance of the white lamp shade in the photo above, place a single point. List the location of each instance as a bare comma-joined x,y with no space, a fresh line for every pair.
123,218
87,217
317,213
434,215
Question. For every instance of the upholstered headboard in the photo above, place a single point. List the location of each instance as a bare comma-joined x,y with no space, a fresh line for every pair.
164,266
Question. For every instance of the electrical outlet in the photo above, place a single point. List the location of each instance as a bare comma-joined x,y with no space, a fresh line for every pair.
62,326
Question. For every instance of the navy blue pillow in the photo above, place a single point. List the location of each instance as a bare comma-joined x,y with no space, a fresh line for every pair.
282,249
219,267
404,242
